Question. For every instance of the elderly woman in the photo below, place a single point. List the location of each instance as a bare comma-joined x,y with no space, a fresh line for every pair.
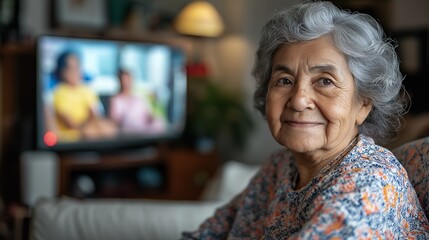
328,84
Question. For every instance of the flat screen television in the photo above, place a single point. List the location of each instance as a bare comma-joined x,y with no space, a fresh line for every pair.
95,94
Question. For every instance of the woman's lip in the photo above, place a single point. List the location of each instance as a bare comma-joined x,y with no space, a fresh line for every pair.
302,123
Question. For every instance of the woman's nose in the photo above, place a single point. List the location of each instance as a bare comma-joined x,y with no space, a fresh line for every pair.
301,99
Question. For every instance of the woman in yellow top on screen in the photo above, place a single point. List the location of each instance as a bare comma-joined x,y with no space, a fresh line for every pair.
134,115
75,104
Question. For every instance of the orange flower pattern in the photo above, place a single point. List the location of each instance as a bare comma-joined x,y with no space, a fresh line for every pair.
367,196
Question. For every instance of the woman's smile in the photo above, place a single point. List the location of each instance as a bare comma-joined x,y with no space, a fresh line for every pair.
302,124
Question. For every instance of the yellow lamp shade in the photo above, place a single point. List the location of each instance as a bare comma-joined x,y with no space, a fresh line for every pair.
199,18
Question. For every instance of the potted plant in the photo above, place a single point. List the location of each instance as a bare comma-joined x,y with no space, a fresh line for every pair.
215,115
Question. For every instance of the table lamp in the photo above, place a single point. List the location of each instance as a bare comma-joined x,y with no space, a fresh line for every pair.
200,19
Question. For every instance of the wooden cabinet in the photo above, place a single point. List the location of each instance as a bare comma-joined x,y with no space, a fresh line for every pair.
188,172
179,174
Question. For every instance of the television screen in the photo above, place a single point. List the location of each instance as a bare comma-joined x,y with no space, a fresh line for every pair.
95,94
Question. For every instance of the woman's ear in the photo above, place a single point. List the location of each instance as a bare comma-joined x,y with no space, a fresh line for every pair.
364,110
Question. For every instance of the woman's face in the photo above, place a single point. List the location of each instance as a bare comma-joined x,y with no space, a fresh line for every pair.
311,101
71,73
126,82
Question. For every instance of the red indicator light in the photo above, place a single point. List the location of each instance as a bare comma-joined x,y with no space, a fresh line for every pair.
50,139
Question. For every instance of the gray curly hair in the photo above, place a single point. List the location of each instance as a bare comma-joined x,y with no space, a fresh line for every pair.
370,55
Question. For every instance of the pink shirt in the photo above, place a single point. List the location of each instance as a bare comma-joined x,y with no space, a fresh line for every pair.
134,116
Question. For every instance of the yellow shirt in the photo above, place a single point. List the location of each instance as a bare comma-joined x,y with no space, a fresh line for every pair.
76,103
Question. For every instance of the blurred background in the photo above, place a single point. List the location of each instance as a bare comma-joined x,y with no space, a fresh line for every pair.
229,56
220,61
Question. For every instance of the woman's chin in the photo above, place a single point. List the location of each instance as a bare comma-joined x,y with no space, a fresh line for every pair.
302,141
302,148
302,144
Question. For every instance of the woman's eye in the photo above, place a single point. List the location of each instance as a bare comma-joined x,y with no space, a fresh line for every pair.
325,82
284,81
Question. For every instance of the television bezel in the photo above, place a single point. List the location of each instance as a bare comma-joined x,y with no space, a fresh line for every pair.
106,145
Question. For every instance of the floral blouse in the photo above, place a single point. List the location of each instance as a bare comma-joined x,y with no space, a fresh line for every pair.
367,196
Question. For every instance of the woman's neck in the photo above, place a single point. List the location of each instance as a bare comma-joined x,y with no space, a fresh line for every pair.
311,164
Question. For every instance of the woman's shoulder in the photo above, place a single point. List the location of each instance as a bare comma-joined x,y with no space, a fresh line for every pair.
62,90
281,157
373,184
367,153
85,88
63,87
370,162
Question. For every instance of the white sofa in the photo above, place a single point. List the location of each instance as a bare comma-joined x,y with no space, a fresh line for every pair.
71,219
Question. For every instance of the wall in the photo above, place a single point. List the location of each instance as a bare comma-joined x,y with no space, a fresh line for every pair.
34,17
409,14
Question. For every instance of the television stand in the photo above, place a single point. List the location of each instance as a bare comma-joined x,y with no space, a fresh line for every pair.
179,174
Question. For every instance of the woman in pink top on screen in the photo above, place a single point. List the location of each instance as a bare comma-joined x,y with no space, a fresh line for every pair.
132,114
